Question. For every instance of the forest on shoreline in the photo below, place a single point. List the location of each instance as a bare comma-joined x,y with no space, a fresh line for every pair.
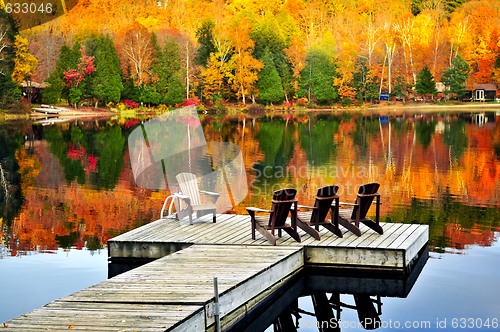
317,53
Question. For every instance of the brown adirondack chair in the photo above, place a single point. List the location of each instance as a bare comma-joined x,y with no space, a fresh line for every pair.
190,194
364,200
283,203
319,213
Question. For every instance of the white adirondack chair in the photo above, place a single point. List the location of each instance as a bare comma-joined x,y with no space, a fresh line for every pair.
190,195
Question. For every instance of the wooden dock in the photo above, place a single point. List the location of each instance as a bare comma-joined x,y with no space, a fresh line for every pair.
176,292
394,250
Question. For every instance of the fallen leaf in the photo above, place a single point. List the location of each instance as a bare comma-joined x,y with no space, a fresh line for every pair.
124,321
142,306
6,325
25,315
71,326
178,306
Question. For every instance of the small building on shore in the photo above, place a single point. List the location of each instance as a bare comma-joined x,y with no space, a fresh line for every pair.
33,90
481,92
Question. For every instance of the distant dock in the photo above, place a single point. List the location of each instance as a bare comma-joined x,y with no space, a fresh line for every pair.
176,291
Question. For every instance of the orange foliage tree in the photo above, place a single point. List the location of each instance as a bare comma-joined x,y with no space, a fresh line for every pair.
138,50
246,67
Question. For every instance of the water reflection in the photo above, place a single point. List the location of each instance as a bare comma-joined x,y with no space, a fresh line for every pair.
67,186
71,184
320,301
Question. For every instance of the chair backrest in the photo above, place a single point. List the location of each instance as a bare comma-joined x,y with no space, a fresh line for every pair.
324,199
282,202
365,201
189,187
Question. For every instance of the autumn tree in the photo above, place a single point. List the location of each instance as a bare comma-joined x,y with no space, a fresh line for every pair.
296,56
246,67
214,76
481,41
76,79
425,83
25,63
138,50
269,84
455,78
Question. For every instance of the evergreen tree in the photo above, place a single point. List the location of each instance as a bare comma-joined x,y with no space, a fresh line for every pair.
455,78
69,58
317,77
366,88
175,92
159,68
425,83
166,67
269,83
205,37
9,91
106,84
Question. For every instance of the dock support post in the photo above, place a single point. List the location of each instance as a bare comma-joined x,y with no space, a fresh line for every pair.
216,306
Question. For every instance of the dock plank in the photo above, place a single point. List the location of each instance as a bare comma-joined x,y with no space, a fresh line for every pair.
168,291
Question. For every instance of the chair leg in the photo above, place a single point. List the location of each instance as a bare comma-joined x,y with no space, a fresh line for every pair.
350,226
334,229
293,233
253,228
308,229
214,216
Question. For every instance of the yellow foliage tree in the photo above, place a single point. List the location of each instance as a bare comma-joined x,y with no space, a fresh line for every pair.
296,55
25,63
213,76
246,67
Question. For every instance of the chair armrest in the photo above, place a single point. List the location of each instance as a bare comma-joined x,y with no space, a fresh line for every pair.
254,209
348,204
308,207
209,193
181,196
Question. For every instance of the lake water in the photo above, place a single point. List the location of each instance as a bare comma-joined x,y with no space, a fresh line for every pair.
66,188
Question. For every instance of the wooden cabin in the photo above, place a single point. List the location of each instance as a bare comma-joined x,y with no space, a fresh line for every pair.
33,90
481,92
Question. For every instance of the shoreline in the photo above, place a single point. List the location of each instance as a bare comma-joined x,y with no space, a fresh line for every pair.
380,108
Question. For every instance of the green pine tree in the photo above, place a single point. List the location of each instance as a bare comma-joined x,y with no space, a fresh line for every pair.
425,83
317,78
159,68
269,83
455,78
204,34
69,58
106,84
175,92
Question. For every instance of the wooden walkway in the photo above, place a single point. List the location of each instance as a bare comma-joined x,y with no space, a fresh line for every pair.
396,248
174,293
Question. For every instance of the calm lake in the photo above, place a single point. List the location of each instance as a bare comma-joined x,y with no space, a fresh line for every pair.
66,188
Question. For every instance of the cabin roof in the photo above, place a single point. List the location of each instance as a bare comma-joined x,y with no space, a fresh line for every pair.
483,86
